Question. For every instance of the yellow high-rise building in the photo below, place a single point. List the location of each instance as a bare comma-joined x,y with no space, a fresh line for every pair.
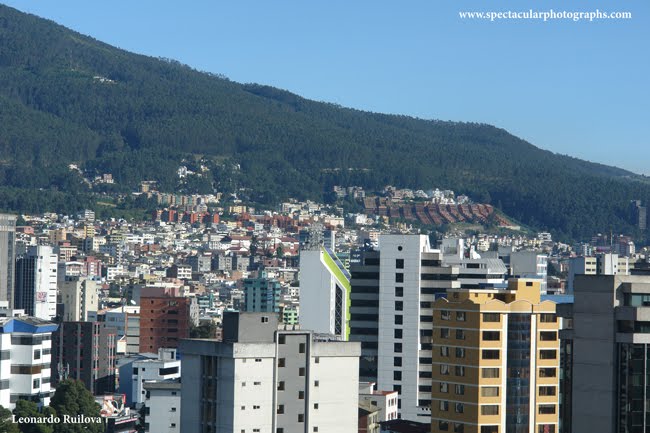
496,357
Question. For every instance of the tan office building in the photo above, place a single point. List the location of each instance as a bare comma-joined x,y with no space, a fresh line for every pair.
495,361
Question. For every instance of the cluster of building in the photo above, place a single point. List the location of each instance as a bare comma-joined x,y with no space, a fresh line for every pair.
304,321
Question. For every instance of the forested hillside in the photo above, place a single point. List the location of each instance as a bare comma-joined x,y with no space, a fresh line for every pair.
67,98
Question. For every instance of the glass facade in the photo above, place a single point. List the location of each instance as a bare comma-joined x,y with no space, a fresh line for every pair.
518,374
634,388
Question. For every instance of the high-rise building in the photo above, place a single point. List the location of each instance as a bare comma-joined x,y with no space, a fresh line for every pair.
262,294
495,361
392,293
165,318
85,351
163,406
638,214
600,264
610,353
7,257
264,379
25,364
324,293
80,299
364,309
136,371
36,274
530,264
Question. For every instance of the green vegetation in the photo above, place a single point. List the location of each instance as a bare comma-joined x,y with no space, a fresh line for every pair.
66,98
28,409
6,425
72,398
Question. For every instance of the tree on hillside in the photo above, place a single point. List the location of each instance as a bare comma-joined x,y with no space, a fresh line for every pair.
6,425
72,398
26,408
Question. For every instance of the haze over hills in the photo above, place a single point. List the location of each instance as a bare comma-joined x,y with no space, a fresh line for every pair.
67,98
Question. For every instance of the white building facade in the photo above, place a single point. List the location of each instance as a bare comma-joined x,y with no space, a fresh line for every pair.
264,380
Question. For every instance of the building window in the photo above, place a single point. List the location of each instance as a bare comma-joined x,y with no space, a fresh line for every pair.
36,383
547,318
265,319
444,405
281,385
460,408
444,351
489,429
281,362
460,370
460,389
315,405
399,263
282,339
397,375
490,409
301,417
316,383
547,372
459,428
37,354
490,373
444,332
301,395
546,428
547,354
444,387
460,317
491,335
443,425
399,292
397,361
460,334
445,315
399,319
490,391
397,333
256,407
301,348
490,354
546,409
460,352
444,369
399,306
399,277
301,371
548,336
547,390
397,347
491,317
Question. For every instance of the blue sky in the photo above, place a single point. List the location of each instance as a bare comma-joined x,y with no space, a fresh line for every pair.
576,88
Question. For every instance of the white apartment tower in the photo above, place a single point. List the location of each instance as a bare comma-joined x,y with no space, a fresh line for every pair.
324,293
261,379
36,274
25,361
80,300
411,278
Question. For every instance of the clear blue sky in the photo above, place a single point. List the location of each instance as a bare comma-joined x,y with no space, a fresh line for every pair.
576,88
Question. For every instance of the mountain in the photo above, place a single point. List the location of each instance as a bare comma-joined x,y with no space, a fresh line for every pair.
67,98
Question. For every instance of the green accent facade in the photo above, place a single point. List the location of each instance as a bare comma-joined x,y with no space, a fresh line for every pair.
343,281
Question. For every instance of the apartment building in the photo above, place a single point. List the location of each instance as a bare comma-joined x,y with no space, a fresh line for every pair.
80,299
600,264
324,293
85,351
609,358
261,379
136,371
162,406
25,361
495,361
36,278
